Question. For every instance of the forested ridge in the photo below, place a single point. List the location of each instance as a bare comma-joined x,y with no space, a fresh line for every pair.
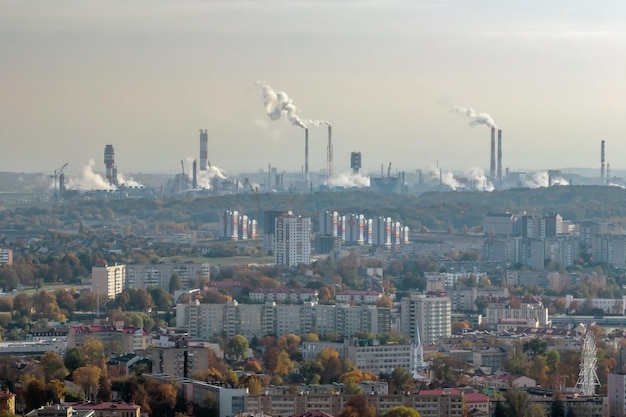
433,210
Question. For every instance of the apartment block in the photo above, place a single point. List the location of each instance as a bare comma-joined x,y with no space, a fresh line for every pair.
108,280
159,275
426,317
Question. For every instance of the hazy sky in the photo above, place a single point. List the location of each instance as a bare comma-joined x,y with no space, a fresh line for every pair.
145,75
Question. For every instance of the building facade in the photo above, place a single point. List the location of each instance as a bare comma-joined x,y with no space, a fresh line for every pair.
426,317
292,244
108,280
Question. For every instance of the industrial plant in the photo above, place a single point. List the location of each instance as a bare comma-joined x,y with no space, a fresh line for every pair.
198,176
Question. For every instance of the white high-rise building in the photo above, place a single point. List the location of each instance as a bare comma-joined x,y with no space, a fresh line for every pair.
109,280
428,315
292,244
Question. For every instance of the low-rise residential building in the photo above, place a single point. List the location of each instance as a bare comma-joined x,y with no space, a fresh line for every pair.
358,297
159,275
429,403
616,306
230,401
127,338
6,256
366,355
283,295
108,408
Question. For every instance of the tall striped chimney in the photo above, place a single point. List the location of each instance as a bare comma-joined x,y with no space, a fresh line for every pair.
602,173
492,166
499,155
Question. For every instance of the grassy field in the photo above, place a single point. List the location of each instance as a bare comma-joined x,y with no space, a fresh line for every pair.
29,290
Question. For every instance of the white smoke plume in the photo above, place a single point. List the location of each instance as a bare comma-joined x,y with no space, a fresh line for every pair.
128,182
541,179
89,180
479,180
348,180
317,123
279,103
205,177
446,178
476,118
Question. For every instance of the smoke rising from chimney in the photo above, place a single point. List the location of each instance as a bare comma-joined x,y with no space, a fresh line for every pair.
476,118
278,103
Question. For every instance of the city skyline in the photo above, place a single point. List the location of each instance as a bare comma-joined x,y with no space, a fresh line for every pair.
146,76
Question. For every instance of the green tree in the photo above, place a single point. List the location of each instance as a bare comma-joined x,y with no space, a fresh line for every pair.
176,283
400,380
553,358
34,394
402,411
53,366
557,409
74,359
237,347
520,405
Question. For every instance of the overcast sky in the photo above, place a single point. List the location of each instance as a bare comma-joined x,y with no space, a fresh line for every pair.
145,75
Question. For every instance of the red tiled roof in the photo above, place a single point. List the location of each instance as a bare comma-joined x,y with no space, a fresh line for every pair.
103,406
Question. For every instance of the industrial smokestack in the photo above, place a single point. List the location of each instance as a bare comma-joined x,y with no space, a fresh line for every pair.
306,155
204,152
492,166
194,180
329,153
602,174
109,163
499,155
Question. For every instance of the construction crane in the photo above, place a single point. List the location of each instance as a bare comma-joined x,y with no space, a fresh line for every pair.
56,174
255,191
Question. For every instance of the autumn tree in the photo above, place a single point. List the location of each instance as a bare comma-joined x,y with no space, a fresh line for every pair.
358,406
53,366
328,358
88,378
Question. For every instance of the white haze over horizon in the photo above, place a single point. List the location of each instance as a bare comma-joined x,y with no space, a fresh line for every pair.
146,75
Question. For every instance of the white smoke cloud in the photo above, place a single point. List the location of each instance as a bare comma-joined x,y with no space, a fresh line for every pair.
316,123
476,118
278,103
128,182
348,180
206,176
446,178
479,180
542,179
89,180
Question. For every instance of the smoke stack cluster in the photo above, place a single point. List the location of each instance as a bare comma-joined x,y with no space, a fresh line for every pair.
602,173
194,180
499,155
109,163
204,152
492,165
